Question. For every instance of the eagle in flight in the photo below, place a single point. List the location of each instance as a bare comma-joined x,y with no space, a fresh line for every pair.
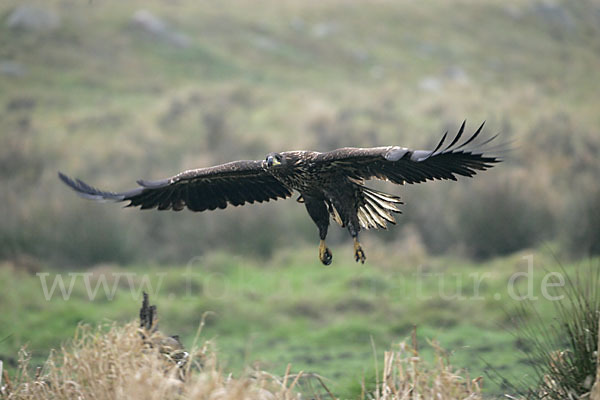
330,184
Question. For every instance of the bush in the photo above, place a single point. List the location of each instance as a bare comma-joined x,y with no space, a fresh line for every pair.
564,354
581,233
498,217
431,209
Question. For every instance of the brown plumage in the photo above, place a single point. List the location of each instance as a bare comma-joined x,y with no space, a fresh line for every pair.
330,183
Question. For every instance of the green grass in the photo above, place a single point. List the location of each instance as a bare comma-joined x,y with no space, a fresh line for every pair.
293,310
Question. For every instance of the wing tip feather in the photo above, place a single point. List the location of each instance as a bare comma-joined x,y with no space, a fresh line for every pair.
88,192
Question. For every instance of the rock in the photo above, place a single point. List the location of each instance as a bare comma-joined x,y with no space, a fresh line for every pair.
149,22
155,26
11,68
430,84
33,18
514,12
324,29
456,74
265,43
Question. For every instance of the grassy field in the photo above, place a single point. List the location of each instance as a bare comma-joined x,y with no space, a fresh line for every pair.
293,310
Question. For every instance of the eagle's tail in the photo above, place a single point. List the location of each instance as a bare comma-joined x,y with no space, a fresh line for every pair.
376,209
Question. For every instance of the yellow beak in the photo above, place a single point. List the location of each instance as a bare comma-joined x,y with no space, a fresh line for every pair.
272,161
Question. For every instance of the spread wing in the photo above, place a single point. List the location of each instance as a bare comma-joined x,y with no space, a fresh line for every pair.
234,183
401,165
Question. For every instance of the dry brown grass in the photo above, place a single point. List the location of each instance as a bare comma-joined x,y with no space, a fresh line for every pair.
114,362
406,376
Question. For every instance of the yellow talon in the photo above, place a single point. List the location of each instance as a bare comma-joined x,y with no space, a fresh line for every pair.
324,253
359,254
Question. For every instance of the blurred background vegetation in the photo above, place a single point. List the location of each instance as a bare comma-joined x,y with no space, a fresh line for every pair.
112,91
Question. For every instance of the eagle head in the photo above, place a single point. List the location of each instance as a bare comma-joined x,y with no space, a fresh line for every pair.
274,160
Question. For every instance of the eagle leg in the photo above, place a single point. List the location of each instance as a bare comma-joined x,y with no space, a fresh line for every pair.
353,228
324,253
359,254
317,210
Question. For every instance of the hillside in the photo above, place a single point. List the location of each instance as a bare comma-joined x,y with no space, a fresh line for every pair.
104,97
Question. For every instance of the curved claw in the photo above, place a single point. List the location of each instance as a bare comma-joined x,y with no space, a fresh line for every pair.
325,254
327,257
359,254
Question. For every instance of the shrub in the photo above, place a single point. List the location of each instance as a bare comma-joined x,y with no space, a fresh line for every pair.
498,217
563,354
581,233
